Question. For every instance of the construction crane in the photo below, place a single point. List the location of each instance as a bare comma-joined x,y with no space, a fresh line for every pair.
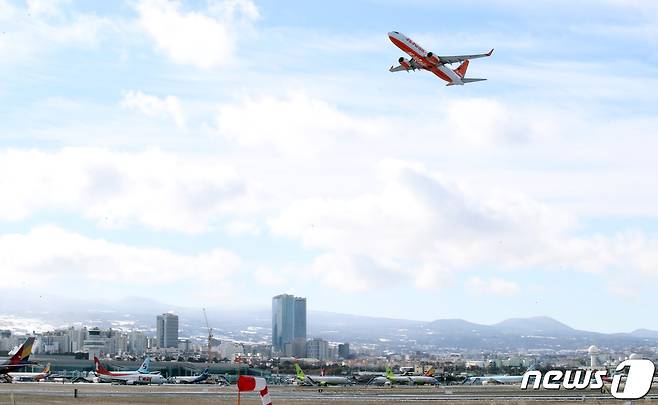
205,317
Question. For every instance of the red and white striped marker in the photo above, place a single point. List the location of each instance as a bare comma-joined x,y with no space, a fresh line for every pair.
248,383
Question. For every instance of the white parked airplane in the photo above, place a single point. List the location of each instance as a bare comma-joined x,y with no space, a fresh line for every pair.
192,379
391,378
321,380
139,376
27,376
497,379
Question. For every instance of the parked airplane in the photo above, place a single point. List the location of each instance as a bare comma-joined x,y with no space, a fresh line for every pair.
322,380
140,379
192,379
365,377
26,376
390,378
422,60
497,379
139,376
19,359
426,378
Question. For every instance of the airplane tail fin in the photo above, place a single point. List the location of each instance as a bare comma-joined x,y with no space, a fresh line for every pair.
99,367
205,371
144,368
389,372
461,70
300,373
22,355
430,372
46,370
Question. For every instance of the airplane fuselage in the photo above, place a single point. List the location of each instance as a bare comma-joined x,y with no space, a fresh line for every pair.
191,379
419,56
25,376
497,379
422,379
327,380
139,379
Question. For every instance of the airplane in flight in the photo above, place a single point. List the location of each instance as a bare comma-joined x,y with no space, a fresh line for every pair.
192,379
27,376
321,380
20,359
139,376
423,60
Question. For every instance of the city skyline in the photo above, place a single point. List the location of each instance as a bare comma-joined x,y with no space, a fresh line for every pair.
252,150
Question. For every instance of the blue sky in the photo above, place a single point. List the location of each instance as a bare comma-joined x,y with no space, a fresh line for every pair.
220,152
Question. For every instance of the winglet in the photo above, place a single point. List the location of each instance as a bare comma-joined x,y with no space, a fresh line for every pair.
490,52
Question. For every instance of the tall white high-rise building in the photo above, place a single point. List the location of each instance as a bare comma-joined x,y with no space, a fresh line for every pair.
167,330
289,325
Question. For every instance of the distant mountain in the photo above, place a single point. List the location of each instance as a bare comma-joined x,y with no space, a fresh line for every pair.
254,326
457,334
538,325
645,333
452,326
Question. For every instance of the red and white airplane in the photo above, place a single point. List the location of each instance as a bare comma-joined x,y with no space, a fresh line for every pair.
421,59
133,377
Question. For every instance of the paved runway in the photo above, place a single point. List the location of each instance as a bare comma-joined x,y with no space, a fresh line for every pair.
52,393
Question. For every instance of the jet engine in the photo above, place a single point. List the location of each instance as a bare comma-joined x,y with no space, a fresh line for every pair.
433,58
405,63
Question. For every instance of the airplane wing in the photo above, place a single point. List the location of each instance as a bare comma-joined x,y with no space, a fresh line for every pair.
398,68
460,58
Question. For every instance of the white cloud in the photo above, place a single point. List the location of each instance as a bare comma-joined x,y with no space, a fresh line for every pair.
156,189
483,121
195,38
47,7
345,273
297,124
239,227
497,286
426,228
44,26
153,106
59,258
271,277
